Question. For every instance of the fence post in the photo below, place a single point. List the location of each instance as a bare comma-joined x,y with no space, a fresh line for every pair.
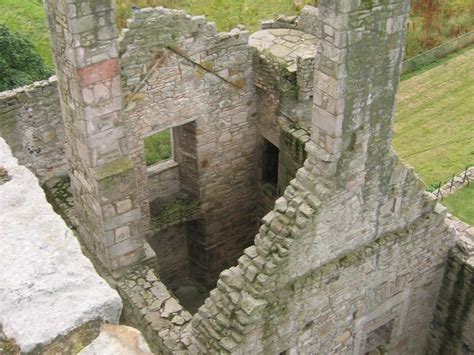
438,191
452,183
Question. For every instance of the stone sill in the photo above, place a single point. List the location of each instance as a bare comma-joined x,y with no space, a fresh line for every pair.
161,167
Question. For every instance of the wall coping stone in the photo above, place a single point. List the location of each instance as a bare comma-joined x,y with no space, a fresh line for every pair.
47,286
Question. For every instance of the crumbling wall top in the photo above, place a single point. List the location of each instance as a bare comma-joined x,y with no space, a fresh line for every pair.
286,46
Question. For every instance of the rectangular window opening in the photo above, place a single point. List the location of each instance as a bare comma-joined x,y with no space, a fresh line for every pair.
159,147
378,340
270,164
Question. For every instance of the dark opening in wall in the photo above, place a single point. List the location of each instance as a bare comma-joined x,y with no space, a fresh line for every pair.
270,164
379,339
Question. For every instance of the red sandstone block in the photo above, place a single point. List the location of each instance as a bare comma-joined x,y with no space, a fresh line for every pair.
97,72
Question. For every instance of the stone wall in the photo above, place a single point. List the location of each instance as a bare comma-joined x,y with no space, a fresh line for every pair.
149,306
284,91
352,256
177,70
292,154
172,254
163,181
41,257
453,324
30,122
305,22
279,96
99,147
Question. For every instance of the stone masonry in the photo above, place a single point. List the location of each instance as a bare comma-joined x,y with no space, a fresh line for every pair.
352,207
352,255
30,122
101,171
51,299
178,72
453,323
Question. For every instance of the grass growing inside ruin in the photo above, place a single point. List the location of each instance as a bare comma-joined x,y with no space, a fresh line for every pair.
461,204
435,120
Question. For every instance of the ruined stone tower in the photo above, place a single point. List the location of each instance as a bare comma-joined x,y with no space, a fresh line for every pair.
282,194
103,180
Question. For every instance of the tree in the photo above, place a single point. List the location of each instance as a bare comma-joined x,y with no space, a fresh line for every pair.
19,63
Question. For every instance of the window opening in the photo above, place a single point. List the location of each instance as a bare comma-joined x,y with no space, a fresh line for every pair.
379,339
158,147
270,164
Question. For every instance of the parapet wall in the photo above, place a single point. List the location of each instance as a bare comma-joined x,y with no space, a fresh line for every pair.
306,22
48,288
30,122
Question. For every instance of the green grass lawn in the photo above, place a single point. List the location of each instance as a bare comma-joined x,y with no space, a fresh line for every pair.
27,17
461,204
434,126
451,18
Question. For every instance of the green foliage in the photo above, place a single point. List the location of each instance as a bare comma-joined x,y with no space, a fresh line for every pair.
19,63
158,147
28,18
461,204
177,211
433,22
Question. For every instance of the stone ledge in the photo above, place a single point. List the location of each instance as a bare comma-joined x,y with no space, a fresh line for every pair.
48,287
161,167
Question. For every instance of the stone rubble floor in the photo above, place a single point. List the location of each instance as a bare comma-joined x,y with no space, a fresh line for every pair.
285,44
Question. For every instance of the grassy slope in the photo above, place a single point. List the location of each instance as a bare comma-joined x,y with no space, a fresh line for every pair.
27,17
434,128
461,204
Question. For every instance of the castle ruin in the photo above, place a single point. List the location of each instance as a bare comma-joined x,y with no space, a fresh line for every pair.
282,199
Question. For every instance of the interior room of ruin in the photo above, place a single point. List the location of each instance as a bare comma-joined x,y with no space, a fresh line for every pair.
280,220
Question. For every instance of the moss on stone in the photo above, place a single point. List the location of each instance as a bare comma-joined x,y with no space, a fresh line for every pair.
113,168
239,83
177,211
368,4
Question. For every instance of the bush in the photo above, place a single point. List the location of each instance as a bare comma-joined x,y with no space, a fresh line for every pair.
19,63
